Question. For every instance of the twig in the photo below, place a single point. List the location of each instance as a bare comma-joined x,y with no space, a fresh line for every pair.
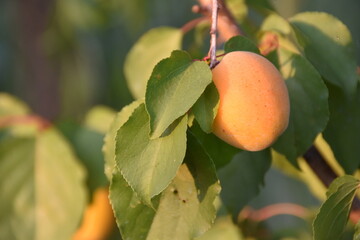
227,26
213,31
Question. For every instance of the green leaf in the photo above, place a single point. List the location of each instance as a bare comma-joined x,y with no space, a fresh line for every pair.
109,140
240,43
343,130
132,217
173,88
330,222
42,187
220,152
308,105
149,165
205,108
10,105
328,45
242,177
185,209
153,46
223,229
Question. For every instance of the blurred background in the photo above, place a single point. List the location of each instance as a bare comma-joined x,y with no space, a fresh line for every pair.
64,56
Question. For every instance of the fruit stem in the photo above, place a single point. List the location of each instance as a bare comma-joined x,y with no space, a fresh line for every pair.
213,31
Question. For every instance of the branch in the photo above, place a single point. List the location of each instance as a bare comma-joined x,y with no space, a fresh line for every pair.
213,31
227,26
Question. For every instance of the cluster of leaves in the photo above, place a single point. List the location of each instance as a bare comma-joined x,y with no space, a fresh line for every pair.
162,160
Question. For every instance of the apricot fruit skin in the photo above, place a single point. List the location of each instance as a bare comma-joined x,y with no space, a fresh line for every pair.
254,103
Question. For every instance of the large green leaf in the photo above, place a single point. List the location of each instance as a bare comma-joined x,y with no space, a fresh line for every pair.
220,152
109,140
173,88
132,216
148,165
205,108
308,105
343,130
42,188
185,209
330,222
153,46
240,43
328,45
242,177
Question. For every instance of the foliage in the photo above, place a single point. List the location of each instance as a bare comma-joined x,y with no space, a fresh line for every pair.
169,177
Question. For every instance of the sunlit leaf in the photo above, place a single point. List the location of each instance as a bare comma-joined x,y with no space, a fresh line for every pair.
205,108
42,188
242,177
173,88
149,165
330,222
308,105
153,46
328,45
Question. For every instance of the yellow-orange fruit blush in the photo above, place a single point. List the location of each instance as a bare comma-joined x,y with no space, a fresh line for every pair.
254,104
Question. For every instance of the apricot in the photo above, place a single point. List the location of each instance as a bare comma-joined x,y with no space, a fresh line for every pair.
254,103
98,220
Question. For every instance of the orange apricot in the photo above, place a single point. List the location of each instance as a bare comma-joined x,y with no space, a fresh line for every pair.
254,103
98,220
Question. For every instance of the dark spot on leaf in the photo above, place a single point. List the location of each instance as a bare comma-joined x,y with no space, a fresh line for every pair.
184,201
175,191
